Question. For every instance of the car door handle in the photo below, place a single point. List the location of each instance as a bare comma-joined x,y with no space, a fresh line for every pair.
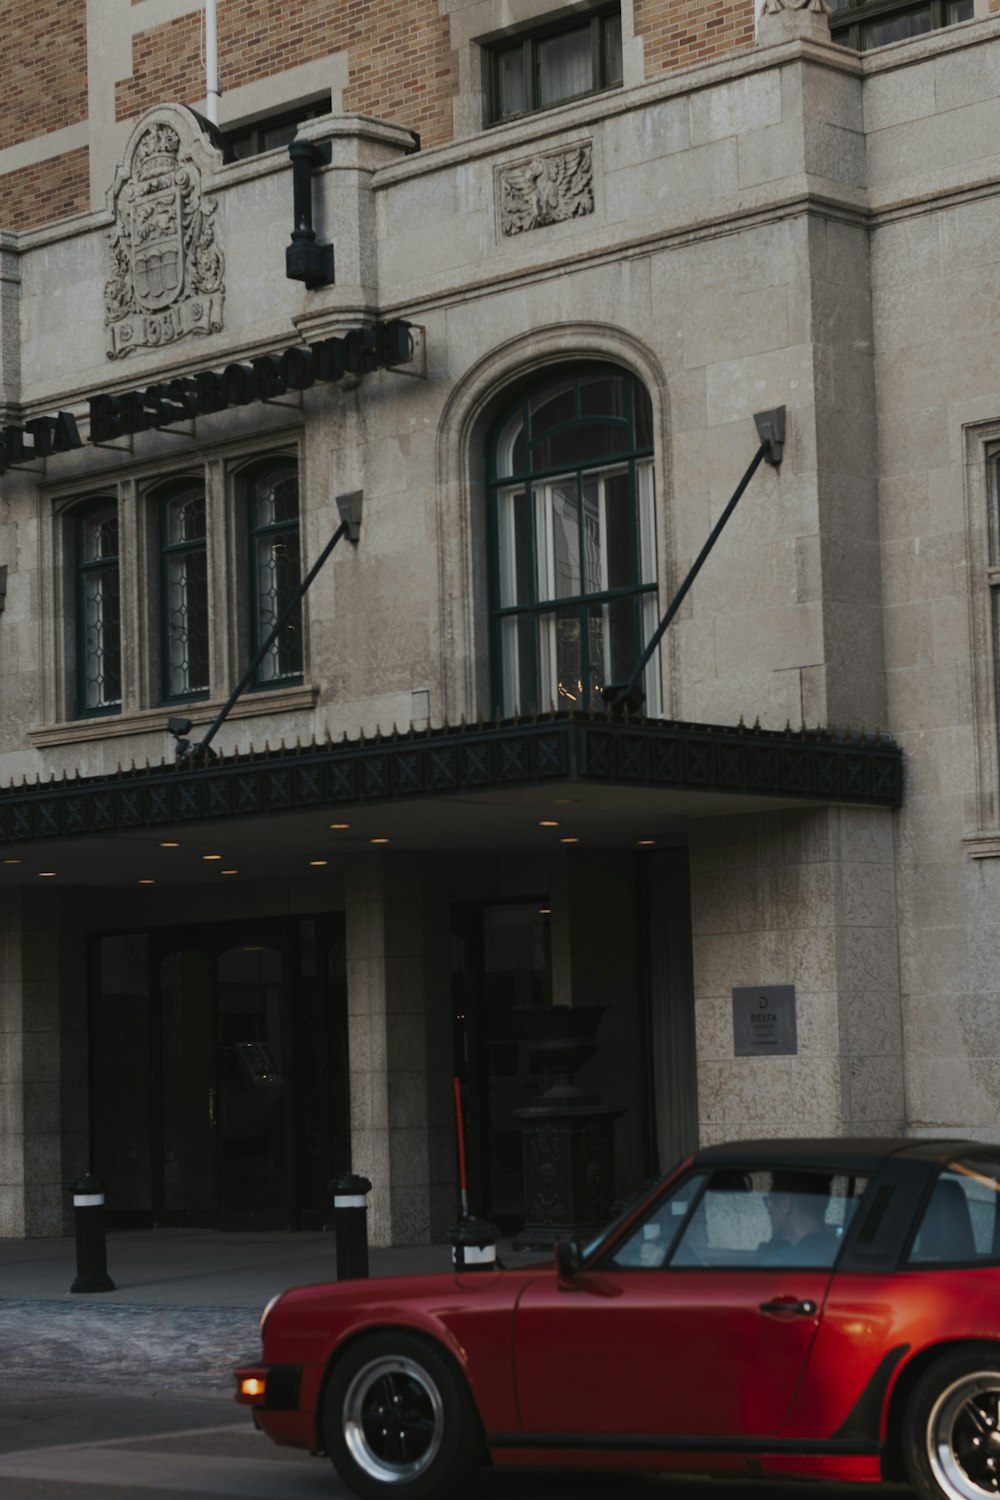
791,1305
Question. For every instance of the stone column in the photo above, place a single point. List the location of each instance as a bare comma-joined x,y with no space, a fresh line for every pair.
400,1036
808,899
35,991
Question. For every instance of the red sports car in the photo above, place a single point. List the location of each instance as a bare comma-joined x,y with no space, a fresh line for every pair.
827,1309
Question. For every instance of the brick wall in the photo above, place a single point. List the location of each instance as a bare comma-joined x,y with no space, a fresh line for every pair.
43,68
402,67
48,190
677,33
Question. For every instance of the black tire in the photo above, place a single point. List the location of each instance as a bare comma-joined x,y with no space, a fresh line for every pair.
951,1427
399,1419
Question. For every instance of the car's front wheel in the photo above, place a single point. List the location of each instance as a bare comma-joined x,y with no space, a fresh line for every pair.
398,1419
951,1434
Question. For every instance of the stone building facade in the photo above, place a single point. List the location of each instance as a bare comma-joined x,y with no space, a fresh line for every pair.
580,253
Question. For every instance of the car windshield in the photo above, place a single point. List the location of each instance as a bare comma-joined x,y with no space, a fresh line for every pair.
610,1230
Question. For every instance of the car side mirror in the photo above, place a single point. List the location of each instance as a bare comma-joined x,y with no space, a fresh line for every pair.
569,1260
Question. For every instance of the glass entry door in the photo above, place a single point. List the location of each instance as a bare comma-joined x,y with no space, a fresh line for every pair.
250,1108
223,1087
501,968
219,1073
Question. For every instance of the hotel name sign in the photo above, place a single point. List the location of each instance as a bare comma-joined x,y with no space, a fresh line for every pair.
378,346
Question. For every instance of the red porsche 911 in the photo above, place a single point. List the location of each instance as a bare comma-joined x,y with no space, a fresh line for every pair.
828,1309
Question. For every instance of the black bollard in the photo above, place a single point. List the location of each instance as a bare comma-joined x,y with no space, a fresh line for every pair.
350,1225
474,1245
91,1244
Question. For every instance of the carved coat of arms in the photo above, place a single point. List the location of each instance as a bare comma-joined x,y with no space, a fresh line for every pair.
167,269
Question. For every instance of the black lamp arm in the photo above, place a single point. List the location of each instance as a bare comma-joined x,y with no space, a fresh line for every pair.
771,430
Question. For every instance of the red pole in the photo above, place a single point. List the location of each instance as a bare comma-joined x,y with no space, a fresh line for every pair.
461,1149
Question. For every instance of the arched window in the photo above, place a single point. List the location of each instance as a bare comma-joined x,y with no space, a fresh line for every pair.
573,542
98,609
184,638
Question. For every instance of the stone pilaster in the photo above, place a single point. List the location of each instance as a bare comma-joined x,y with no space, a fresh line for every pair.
808,899
400,1037
33,997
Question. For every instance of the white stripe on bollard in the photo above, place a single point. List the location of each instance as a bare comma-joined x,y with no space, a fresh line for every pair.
88,1200
478,1255
359,1200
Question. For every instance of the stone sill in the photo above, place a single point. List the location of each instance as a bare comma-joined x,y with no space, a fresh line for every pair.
983,846
259,705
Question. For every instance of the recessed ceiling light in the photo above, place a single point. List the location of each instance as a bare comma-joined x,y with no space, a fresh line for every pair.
547,823
315,862
147,881
12,861
211,856
569,841
229,872
378,841
169,844
338,825
646,841
46,874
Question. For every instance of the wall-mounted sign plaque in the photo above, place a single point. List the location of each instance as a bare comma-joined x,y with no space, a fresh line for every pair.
764,1021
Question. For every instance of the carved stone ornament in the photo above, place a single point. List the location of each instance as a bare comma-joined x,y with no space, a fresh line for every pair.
166,269
546,189
783,20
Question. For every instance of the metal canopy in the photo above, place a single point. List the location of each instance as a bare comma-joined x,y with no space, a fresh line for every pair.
452,788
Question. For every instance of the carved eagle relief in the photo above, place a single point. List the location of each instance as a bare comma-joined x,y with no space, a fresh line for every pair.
547,189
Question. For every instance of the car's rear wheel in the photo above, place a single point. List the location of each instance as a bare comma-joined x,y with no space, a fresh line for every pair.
951,1434
398,1418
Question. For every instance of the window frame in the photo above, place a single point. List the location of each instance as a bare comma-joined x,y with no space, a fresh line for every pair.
506,619
982,502
848,24
255,129
527,41
136,494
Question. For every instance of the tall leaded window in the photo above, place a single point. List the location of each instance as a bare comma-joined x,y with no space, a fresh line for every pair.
275,573
184,593
573,542
98,610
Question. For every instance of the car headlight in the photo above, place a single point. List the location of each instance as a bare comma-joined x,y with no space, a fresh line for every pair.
269,1309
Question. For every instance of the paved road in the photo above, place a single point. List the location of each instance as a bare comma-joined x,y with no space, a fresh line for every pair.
122,1402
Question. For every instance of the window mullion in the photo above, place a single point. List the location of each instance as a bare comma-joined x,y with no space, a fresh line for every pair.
226,623
136,686
530,84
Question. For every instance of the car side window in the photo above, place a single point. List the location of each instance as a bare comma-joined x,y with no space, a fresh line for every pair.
769,1218
961,1221
648,1244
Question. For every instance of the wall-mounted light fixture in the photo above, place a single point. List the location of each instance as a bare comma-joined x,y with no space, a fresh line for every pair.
305,260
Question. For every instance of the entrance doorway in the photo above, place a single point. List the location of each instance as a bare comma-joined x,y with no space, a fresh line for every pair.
219,1073
502,964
